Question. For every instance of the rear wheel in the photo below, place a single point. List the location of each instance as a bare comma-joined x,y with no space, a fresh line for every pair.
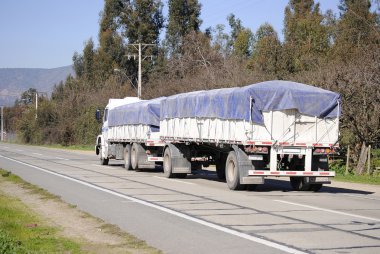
232,172
127,157
168,170
299,184
134,157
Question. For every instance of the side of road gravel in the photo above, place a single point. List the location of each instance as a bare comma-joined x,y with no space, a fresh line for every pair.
94,235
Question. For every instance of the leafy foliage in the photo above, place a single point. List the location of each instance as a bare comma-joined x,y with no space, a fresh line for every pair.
340,53
183,19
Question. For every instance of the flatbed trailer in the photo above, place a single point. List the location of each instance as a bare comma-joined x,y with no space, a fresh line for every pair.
270,129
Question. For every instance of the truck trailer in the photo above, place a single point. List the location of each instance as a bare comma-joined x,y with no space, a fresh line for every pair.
269,129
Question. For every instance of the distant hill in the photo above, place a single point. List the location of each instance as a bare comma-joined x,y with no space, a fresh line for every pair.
14,81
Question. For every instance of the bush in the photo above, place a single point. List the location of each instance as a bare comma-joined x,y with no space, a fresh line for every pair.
9,245
338,166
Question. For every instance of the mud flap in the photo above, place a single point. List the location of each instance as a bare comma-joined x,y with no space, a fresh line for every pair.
179,160
244,165
142,158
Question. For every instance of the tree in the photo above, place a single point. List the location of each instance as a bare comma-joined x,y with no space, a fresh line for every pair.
28,96
142,20
356,28
183,19
243,43
111,49
89,62
221,40
240,40
236,27
358,82
305,35
266,51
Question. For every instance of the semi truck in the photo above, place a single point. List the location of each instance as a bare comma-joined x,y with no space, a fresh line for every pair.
269,129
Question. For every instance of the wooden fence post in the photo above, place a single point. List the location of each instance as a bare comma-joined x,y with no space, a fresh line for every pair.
348,160
369,160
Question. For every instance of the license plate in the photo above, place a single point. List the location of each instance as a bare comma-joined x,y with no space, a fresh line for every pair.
322,179
255,157
291,151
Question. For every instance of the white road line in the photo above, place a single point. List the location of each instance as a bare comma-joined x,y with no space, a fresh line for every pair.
360,196
173,180
19,150
37,154
6,147
167,210
329,210
59,158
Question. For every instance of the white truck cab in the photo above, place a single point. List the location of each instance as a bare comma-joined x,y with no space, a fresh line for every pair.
102,143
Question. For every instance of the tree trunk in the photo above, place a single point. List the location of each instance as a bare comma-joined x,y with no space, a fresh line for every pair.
362,160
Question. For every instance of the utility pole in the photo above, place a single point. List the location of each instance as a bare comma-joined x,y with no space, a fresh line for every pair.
2,123
140,47
41,94
139,82
36,103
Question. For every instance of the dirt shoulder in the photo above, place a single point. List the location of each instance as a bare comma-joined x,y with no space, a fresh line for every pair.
94,235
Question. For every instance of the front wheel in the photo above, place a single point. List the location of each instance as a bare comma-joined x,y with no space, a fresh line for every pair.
232,172
103,161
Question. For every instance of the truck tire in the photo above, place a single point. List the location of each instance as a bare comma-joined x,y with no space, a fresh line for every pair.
134,157
103,161
299,184
127,157
168,169
232,172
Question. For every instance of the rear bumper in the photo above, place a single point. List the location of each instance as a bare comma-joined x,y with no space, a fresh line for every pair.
291,173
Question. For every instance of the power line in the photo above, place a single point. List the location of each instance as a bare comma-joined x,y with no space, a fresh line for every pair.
140,47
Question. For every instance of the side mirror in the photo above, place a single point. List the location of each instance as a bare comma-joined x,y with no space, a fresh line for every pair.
97,115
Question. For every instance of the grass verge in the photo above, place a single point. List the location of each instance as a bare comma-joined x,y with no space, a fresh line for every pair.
366,179
23,231
73,147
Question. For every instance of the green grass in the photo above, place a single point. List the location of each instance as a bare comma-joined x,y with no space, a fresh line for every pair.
367,179
33,189
73,147
340,169
59,146
22,231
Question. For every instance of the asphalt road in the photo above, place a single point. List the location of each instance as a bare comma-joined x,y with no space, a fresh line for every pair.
199,214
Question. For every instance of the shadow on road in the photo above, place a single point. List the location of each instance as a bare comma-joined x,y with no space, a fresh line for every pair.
269,186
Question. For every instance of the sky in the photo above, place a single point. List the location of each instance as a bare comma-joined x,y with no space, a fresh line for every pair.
46,33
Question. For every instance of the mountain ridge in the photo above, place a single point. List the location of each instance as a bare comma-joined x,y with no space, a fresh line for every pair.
14,81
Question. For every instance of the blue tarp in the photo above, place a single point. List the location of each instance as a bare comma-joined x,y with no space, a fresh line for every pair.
142,112
234,103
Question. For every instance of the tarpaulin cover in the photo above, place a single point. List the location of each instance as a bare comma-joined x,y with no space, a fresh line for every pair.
142,112
234,103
